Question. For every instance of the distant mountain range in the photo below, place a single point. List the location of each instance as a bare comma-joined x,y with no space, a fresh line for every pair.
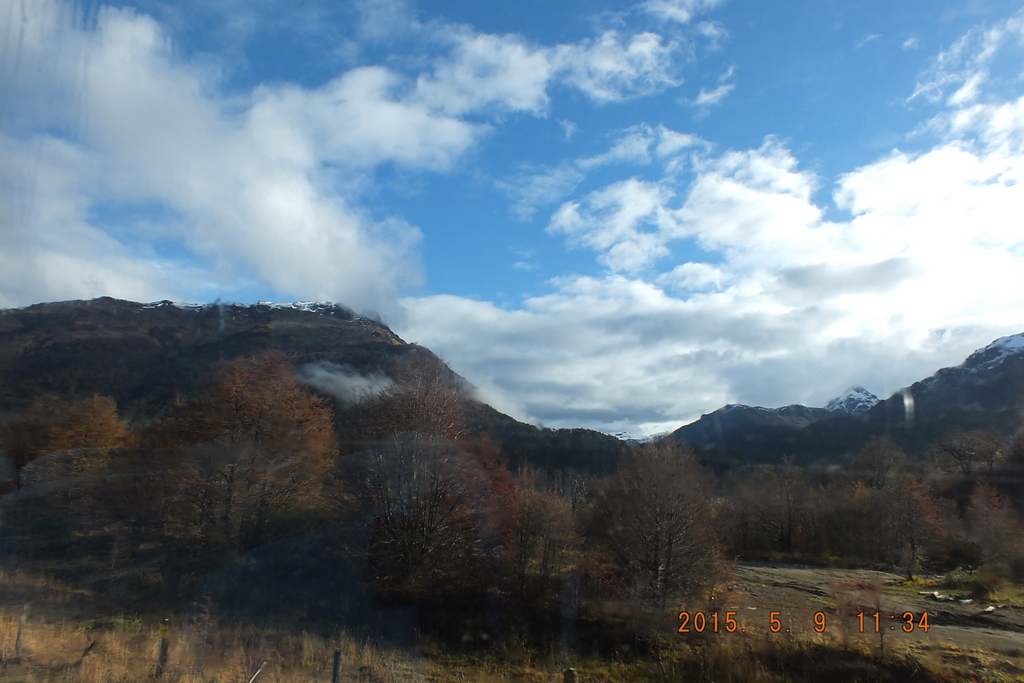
985,391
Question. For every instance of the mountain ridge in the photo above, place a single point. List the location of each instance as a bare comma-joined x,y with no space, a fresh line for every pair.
985,391
144,355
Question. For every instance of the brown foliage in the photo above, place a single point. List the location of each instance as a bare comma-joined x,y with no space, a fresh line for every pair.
52,423
535,532
911,525
90,423
258,400
265,444
995,526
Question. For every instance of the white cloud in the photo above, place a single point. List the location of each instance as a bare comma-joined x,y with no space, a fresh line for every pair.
626,222
777,305
710,97
682,11
248,177
609,69
968,92
640,145
360,118
911,43
487,70
637,144
694,275
966,63
634,146
569,127
870,38
533,189
263,186
380,20
999,126
343,382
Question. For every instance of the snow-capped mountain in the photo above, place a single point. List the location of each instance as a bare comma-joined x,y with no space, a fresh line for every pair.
996,353
318,307
854,401
638,438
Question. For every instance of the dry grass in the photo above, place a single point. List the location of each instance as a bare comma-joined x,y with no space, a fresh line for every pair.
200,652
61,644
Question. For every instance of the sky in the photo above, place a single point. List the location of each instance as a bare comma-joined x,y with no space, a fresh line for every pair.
615,215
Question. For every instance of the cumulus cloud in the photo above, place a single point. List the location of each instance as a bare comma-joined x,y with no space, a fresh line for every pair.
485,70
248,179
626,222
641,144
771,303
261,187
610,69
637,145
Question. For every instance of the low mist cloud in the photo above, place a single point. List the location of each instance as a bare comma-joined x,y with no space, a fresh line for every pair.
343,382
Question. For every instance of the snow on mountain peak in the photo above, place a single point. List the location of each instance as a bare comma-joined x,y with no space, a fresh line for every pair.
997,351
637,437
320,307
854,401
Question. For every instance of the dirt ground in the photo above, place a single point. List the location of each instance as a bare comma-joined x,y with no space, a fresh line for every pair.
798,592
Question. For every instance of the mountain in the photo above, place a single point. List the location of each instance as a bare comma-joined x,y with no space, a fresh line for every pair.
144,355
637,438
986,391
853,401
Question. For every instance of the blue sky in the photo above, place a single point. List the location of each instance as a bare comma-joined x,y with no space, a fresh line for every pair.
617,215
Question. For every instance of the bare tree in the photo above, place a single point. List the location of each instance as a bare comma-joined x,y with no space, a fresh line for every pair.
654,517
877,462
422,498
966,451
535,532
911,522
423,399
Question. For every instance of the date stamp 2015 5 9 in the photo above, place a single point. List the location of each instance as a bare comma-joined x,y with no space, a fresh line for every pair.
866,622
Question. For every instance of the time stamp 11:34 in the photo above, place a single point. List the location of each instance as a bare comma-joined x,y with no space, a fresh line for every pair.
867,622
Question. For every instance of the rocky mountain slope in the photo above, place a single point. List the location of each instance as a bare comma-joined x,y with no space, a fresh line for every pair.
143,355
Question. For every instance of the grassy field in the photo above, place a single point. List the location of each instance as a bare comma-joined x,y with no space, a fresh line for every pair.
62,642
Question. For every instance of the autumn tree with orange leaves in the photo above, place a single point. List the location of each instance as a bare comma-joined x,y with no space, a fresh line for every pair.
264,443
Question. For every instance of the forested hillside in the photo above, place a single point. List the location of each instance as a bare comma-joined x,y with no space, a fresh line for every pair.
302,467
